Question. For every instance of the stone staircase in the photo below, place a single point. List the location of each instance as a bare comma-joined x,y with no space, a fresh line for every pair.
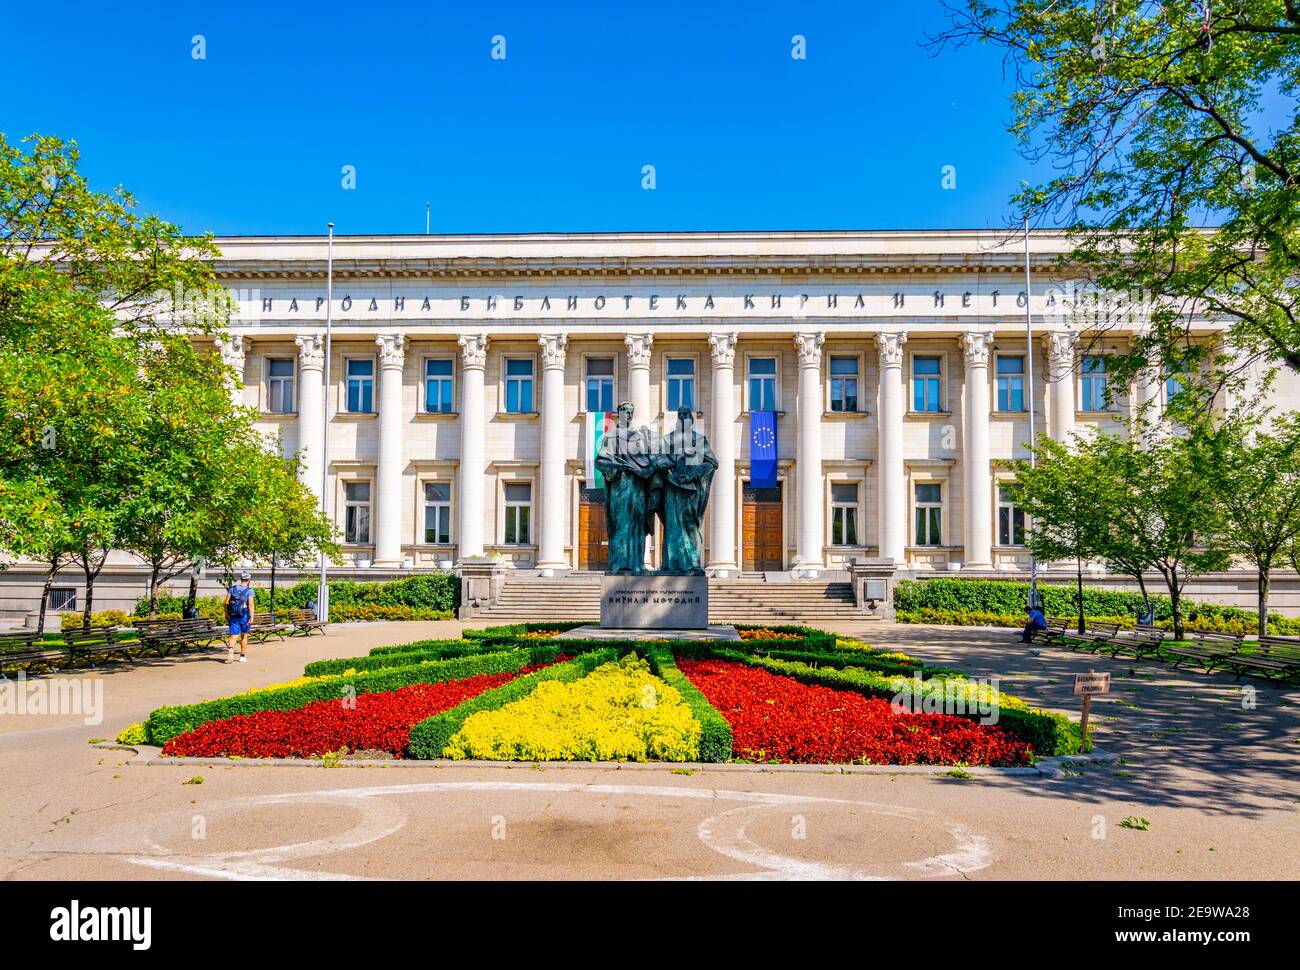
747,599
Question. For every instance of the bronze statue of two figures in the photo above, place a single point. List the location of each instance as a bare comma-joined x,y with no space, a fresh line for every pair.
649,475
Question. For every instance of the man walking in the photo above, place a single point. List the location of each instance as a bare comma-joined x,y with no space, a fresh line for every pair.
239,614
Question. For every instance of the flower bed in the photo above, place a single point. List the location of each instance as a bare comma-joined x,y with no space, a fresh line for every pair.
620,711
775,718
378,722
764,633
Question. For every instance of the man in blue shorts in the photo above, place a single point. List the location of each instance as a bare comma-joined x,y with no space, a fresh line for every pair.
239,614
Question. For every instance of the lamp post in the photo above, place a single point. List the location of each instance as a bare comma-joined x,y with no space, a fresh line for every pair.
323,593
1029,373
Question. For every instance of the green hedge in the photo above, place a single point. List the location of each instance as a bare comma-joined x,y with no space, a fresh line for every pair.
1003,598
428,591
430,736
412,653
1050,734
715,738
511,630
168,722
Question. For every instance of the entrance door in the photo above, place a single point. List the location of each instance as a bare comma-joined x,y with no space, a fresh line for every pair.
761,528
593,536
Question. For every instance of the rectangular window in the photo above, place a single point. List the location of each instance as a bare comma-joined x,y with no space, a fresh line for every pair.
361,385
1011,383
519,385
356,513
600,384
519,508
1011,518
62,598
1092,384
279,389
681,383
927,373
844,514
929,514
1173,383
762,384
437,513
438,392
844,384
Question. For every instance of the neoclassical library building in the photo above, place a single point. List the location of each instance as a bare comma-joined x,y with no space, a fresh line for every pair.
864,392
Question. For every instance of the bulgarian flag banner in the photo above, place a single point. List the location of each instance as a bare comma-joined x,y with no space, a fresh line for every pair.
599,424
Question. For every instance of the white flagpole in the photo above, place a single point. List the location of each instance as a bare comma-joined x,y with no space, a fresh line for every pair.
1029,370
323,593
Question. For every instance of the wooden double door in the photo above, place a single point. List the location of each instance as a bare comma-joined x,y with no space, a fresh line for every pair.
761,529
593,532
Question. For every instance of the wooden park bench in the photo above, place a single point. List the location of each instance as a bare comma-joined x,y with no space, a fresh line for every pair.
1142,641
304,622
1207,650
25,650
164,636
100,642
1273,657
1096,636
264,627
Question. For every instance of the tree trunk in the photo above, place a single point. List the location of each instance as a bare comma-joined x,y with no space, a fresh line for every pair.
45,595
153,590
1264,582
1146,597
90,594
1078,575
193,595
1176,603
272,587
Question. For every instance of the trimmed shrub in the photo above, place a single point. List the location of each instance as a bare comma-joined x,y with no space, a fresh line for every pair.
430,737
997,599
411,653
370,612
72,621
167,722
715,739
430,592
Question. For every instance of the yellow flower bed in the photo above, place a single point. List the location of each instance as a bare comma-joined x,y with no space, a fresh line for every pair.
618,712
298,682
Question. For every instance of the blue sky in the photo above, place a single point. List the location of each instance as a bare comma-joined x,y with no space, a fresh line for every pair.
253,138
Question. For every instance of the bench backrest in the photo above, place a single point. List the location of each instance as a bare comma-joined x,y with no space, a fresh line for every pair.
1281,648
1206,636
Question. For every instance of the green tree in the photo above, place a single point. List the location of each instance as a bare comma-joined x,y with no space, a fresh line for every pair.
1163,119
1060,495
1251,475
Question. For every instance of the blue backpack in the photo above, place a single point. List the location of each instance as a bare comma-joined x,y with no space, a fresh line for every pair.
238,605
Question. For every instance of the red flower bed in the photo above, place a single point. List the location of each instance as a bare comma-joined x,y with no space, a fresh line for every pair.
778,718
381,721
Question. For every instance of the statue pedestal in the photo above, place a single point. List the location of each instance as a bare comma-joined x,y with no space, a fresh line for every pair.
654,602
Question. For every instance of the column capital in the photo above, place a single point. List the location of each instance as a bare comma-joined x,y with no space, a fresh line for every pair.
810,348
392,349
554,350
976,344
723,348
233,351
473,350
890,346
1060,346
638,349
311,351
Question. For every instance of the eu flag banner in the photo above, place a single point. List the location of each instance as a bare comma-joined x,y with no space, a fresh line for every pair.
762,449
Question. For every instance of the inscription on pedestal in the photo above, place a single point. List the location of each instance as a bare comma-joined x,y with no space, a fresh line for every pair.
653,602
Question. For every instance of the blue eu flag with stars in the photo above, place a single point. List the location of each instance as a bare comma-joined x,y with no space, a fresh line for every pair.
762,449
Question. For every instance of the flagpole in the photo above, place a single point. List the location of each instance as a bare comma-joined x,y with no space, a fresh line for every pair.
1029,370
323,593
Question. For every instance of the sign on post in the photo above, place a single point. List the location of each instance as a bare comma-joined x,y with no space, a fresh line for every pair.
1085,685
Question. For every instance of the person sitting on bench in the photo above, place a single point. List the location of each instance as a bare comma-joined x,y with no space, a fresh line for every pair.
1037,623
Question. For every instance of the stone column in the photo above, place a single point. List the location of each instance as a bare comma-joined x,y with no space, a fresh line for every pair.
473,429
975,451
388,479
722,438
311,407
1060,377
551,501
889,420
234,351
810,552
638,377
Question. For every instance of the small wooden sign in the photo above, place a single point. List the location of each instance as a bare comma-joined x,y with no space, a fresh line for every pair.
1088,684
